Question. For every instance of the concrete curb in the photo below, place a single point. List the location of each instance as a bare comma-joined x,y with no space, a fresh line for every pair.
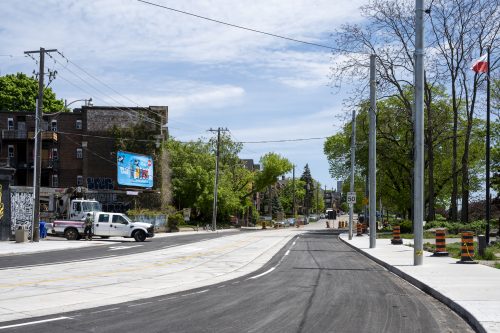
461,311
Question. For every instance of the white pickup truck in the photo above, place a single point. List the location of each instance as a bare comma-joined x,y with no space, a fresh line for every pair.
105,225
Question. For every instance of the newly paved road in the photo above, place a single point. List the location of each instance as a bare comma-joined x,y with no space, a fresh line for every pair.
314,284
112,248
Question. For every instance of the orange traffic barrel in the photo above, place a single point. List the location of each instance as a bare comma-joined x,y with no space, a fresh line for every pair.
440,250
396,235
467,255
364,227
359,229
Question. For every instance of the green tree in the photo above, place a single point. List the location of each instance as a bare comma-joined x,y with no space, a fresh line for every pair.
309,188
192,165
286,194
273,165
19,92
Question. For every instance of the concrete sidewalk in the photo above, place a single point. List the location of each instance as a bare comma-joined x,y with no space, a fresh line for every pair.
473,291
52,243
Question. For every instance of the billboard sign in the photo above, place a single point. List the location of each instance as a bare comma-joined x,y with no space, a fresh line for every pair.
134,169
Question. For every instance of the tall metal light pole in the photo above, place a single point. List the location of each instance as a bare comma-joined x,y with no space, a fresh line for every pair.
488,197
372,163
418,177
353,152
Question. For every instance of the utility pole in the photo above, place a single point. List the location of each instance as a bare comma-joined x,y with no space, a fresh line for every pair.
418,177
488,196
372,154
317,198
293,194
35,229
353,152
214,213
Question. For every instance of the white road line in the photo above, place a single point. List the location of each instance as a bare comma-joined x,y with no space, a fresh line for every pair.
287,252
112,309
198,292
221,286
166,247
262,274
138,304
236,282
114,248
166,299
34,322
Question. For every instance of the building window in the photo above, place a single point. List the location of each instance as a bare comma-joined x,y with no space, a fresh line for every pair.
78,124
79,180
55,154
79,153
55,181
10,123
53,125
10,150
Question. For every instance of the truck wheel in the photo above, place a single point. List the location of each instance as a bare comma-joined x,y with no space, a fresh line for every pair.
71,234
140,236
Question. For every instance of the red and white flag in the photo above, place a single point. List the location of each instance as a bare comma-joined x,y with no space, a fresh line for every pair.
480,65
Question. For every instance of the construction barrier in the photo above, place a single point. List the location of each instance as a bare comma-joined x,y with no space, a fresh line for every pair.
396,235
440,250
359,229
467,256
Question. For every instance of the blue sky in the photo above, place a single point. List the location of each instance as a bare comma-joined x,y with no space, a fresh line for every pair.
209,75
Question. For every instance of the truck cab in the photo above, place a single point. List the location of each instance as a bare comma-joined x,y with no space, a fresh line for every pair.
80,207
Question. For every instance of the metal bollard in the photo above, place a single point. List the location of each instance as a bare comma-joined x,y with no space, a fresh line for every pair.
481,244
440,244
396,235
467,256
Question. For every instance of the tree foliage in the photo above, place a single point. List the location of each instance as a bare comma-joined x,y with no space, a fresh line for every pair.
18,92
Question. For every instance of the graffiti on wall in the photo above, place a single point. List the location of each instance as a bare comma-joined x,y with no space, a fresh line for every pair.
1,202
100,183
21,204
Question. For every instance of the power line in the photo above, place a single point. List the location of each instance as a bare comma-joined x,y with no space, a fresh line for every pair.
112,98
239,26
103,83
286,140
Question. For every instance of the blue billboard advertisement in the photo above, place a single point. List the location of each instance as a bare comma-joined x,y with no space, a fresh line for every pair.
134,169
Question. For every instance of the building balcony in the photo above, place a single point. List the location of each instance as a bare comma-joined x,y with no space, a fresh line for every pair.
14,135
50,164
46,136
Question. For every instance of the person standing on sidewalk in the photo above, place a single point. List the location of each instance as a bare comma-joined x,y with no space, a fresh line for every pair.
87,232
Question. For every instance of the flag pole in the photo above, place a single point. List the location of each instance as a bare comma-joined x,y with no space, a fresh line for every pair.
488,201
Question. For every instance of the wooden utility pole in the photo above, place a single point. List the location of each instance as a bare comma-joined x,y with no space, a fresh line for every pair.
37,168
214,213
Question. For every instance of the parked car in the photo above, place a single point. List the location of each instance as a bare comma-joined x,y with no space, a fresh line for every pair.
291,221
282,223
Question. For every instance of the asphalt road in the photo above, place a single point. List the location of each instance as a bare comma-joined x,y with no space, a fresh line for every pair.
115,248
314,284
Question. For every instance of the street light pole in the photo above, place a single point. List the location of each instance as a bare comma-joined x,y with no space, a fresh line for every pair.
418,178
372,158
353,152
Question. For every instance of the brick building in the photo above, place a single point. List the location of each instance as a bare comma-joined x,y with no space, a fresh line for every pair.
76,146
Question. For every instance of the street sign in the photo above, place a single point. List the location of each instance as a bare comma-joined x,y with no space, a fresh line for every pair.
351,198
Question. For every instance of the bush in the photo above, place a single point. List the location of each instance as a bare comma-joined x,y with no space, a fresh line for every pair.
174,220
405,226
